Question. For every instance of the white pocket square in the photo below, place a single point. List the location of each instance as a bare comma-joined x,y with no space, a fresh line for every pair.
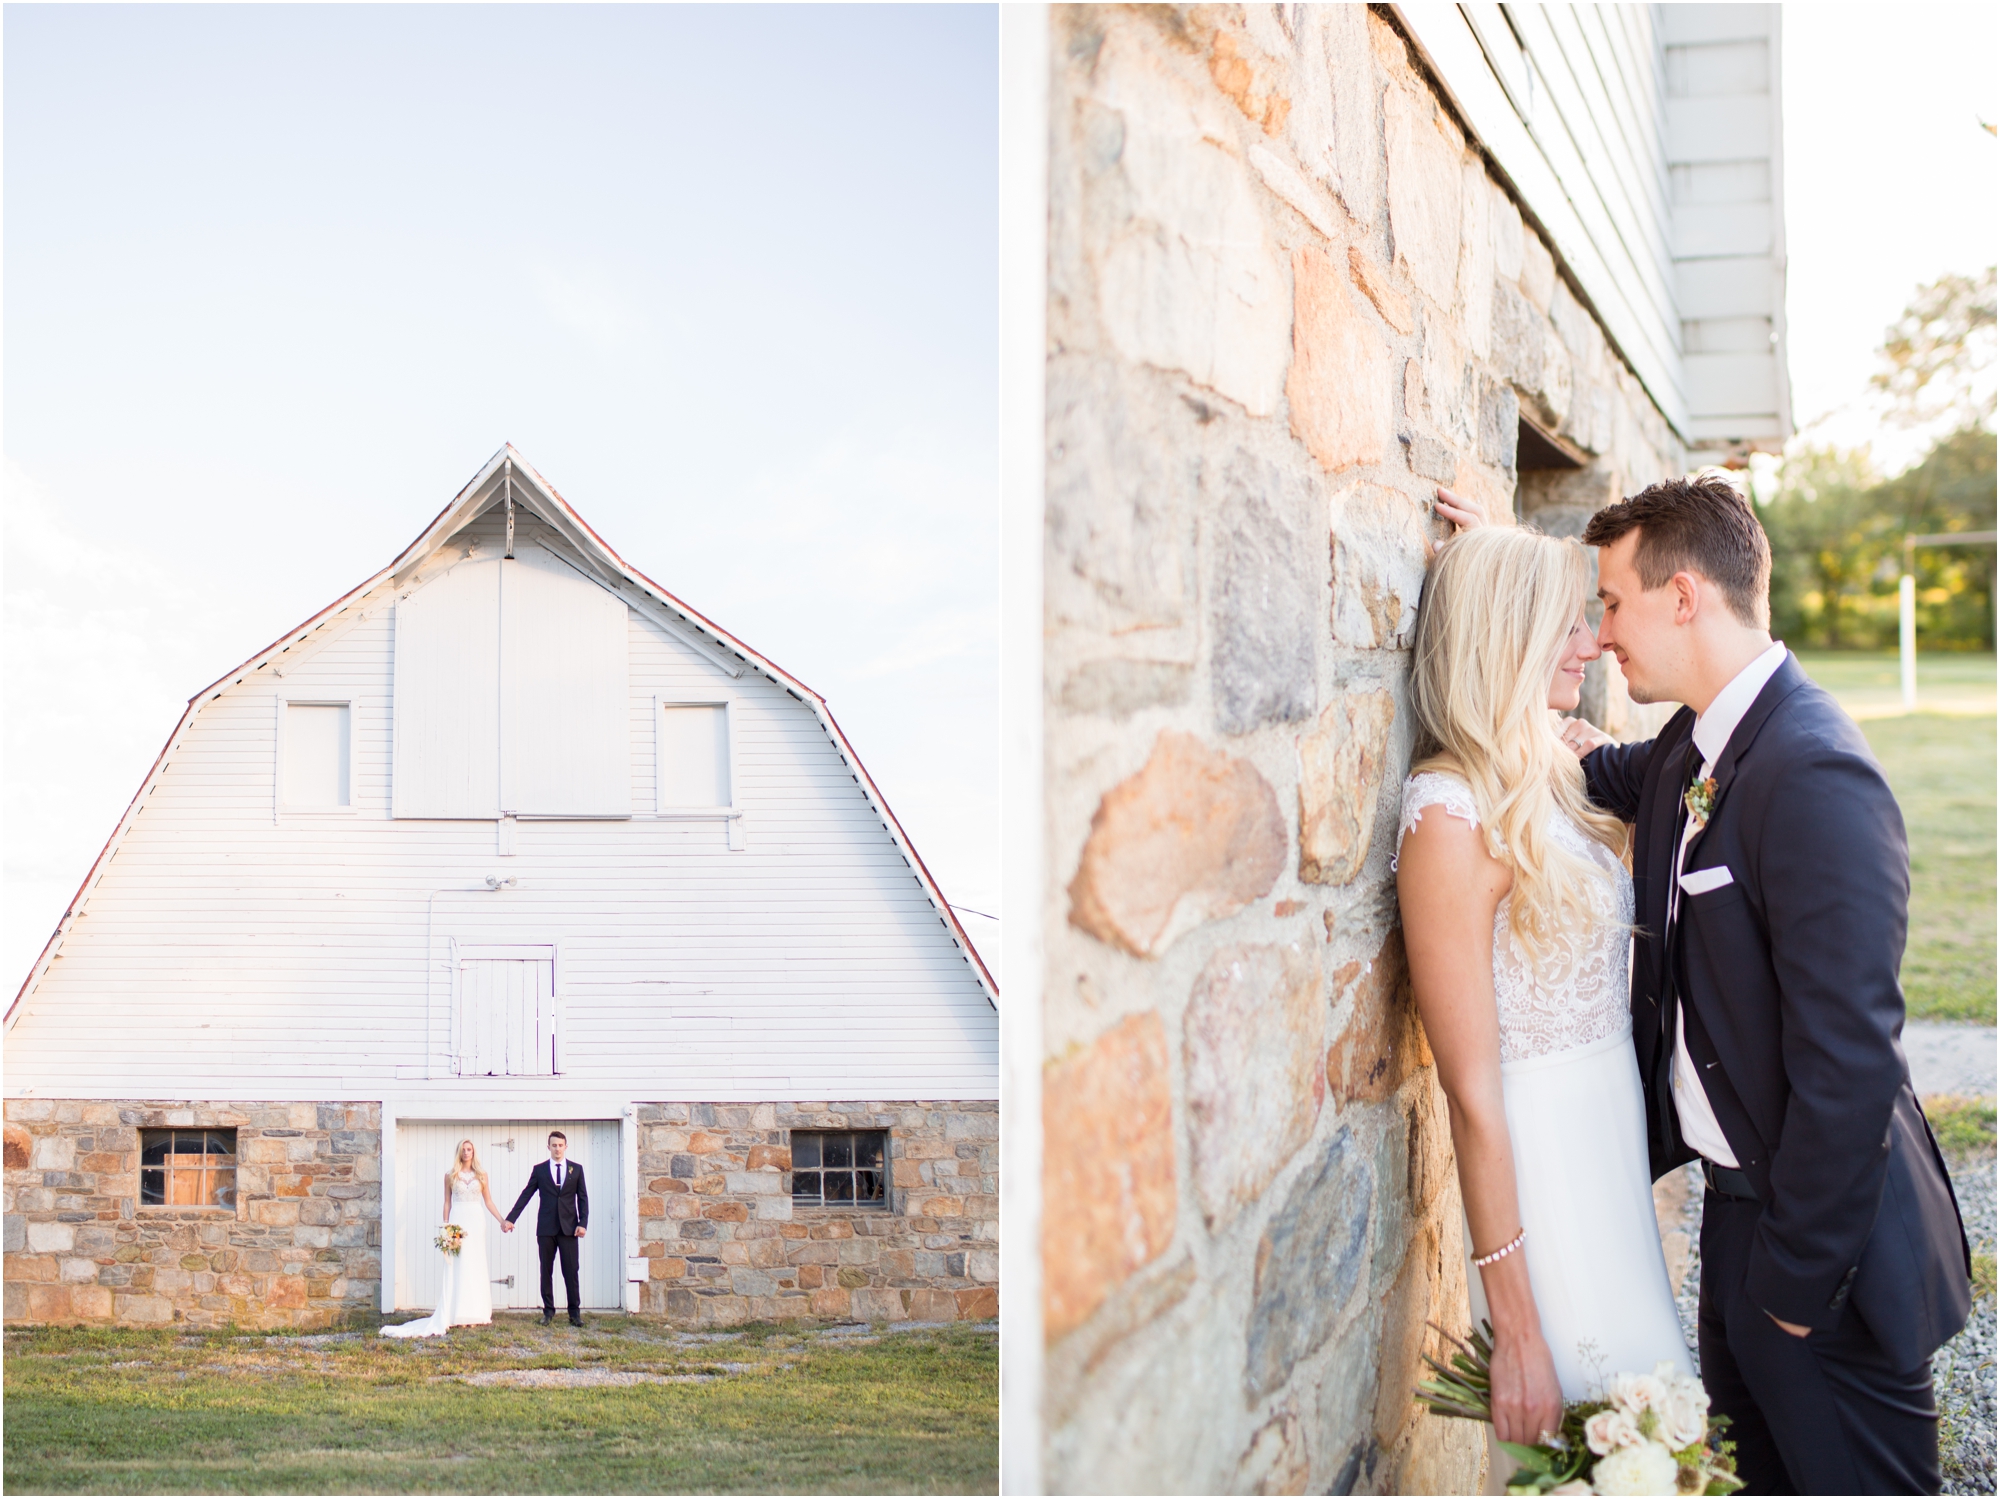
1701,881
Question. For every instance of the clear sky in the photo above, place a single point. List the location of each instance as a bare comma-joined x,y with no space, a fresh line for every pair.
280,279
1889,183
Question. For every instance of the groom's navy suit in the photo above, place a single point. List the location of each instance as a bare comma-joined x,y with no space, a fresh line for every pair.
1842,1218
563,1211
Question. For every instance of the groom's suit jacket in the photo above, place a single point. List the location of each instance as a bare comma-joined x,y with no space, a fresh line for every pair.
563,1211
1787,976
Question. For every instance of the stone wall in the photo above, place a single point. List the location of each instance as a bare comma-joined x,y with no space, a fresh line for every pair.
301,1248
725,1244
1286,300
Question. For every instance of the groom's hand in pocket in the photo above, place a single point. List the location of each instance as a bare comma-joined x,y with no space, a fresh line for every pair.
1791,1327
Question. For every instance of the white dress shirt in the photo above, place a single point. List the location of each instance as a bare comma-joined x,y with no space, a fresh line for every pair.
1711,736
556,1172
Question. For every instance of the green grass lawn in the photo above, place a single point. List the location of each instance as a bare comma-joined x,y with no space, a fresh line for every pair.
769,1411
1942,771
1873,680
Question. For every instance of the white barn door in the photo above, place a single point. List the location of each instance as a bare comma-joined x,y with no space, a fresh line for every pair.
423,1152
505,1021
446,723
565,692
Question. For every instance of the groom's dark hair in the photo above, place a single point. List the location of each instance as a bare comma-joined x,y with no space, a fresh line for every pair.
556,1134
1701,524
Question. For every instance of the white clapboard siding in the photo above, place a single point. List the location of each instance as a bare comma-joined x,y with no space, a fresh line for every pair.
508,1150
227,951
447,694
565,695
1644,141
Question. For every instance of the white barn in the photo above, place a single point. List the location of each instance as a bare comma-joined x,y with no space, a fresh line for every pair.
506,839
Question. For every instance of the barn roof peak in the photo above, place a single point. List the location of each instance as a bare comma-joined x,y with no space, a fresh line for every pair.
508,475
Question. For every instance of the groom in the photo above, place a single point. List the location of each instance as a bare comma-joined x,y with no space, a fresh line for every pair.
1772,877
564,1218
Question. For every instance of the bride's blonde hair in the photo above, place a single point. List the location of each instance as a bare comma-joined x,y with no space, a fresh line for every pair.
1496,610
457,1161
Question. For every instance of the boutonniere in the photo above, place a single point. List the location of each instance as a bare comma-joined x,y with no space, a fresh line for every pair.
1700,799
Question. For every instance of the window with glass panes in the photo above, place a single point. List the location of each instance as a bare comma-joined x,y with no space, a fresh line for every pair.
832,1168
190,1168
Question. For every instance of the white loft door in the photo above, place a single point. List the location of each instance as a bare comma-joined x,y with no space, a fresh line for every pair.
508,1149
447,696
506,1017
565,692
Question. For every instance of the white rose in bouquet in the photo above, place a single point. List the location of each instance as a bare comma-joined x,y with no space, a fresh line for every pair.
1645,1468
1684,1413
1633,1393
1607,1431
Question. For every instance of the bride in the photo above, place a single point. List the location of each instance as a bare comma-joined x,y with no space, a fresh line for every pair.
1517,911
466,1297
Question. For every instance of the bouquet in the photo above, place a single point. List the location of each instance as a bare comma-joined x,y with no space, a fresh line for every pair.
1650,1434
450,1238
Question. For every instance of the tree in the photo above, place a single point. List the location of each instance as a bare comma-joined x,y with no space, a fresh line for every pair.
1937,358
1951,489
1828,537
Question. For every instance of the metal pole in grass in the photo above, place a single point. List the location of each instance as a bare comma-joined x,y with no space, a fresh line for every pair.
1906,613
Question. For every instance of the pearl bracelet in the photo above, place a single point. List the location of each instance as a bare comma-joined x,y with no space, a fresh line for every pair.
1502,1252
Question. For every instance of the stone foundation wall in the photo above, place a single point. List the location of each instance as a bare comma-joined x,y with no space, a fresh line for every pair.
725,1244
1286,300
301,1248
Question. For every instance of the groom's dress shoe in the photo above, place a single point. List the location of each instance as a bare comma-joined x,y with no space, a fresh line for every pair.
547,1318
575,1320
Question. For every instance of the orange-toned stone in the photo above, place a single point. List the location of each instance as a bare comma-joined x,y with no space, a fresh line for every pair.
48,1303
1382,1041
20,1147
979,1304
1247,85
1374,284
1340,780
811,1277
652,1207
1341,388
831,1301
726,1212
1108,1161
701,1142
668,1269
91,1302
709,1185
286,1291
1196,835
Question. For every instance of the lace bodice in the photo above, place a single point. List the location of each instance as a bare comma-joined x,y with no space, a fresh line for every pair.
464,1186
1580,993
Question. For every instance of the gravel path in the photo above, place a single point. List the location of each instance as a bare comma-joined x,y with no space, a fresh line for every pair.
1963,1369
1947,1058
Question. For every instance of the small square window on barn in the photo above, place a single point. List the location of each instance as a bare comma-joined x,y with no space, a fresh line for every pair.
839,1168
694,760
187,1168
318,776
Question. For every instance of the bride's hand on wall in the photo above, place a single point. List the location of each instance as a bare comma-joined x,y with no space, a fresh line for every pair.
1461,512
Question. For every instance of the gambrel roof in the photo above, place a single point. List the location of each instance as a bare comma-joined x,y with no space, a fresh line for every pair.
507,474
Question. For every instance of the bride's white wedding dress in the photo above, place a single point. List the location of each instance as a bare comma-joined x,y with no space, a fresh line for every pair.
1577,1120
466,1296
